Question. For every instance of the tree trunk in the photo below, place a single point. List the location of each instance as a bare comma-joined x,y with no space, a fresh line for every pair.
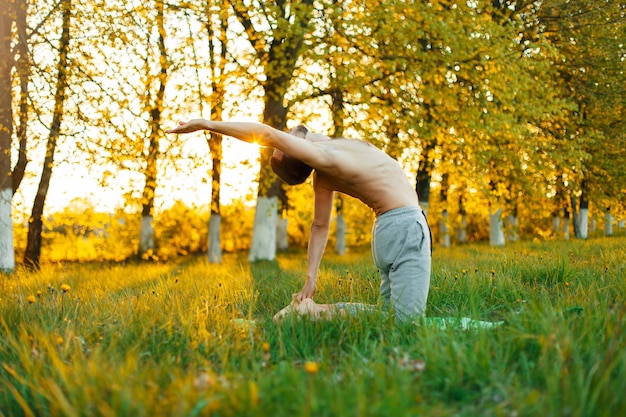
444,231
282,243
264,235
512,232
575,217
422,179
496,232
217,53
23,71
263,245
461,228
35,226
146,231
556,223
338,111
279,55
608,223
146,234
584,217
7,252
566,218
214,251
340,230
512,224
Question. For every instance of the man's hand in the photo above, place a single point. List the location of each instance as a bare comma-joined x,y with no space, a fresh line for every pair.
308,291
190,126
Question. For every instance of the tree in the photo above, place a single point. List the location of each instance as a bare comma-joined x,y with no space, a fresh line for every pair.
589,36
7,17
33,245
451,88
23,70
155,96
276,32
216,26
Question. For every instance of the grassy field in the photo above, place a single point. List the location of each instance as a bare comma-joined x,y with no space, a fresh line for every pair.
192,339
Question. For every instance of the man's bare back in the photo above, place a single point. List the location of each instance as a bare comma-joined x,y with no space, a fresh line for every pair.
361,170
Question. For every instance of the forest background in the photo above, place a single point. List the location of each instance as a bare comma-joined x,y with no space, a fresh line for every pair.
507,115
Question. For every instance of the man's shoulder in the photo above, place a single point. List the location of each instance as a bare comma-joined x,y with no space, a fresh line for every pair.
347,143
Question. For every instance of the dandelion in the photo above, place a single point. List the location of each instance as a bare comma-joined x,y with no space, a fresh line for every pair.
311,368
267,355
31,299
203,381
38,294
415,365
65,288
59,340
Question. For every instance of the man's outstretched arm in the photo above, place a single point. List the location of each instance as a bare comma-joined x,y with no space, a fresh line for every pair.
245,131
262,134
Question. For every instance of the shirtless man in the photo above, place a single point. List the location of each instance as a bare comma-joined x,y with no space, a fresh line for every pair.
401,241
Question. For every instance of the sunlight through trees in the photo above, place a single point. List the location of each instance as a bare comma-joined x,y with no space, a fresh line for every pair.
508,115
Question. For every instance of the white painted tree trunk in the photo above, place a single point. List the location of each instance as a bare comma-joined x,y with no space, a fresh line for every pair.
584,223
620,224
496,232
263,246
593,225
556,224
461,230
424,206
214,251
7,251
444,231
340,235
282,244
146,235
608,224
512,233
566,228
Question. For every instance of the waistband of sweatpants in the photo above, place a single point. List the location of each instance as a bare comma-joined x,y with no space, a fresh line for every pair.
399,212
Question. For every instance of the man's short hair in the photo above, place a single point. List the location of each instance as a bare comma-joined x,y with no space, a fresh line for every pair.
290,170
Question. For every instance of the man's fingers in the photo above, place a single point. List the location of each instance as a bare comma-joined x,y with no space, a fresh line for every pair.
176,129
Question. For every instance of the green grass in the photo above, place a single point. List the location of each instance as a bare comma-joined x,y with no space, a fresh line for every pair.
163,339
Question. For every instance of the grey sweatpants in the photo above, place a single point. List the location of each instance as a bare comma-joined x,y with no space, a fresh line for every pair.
401,246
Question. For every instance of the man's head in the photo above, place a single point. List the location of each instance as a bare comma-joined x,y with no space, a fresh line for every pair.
291,170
